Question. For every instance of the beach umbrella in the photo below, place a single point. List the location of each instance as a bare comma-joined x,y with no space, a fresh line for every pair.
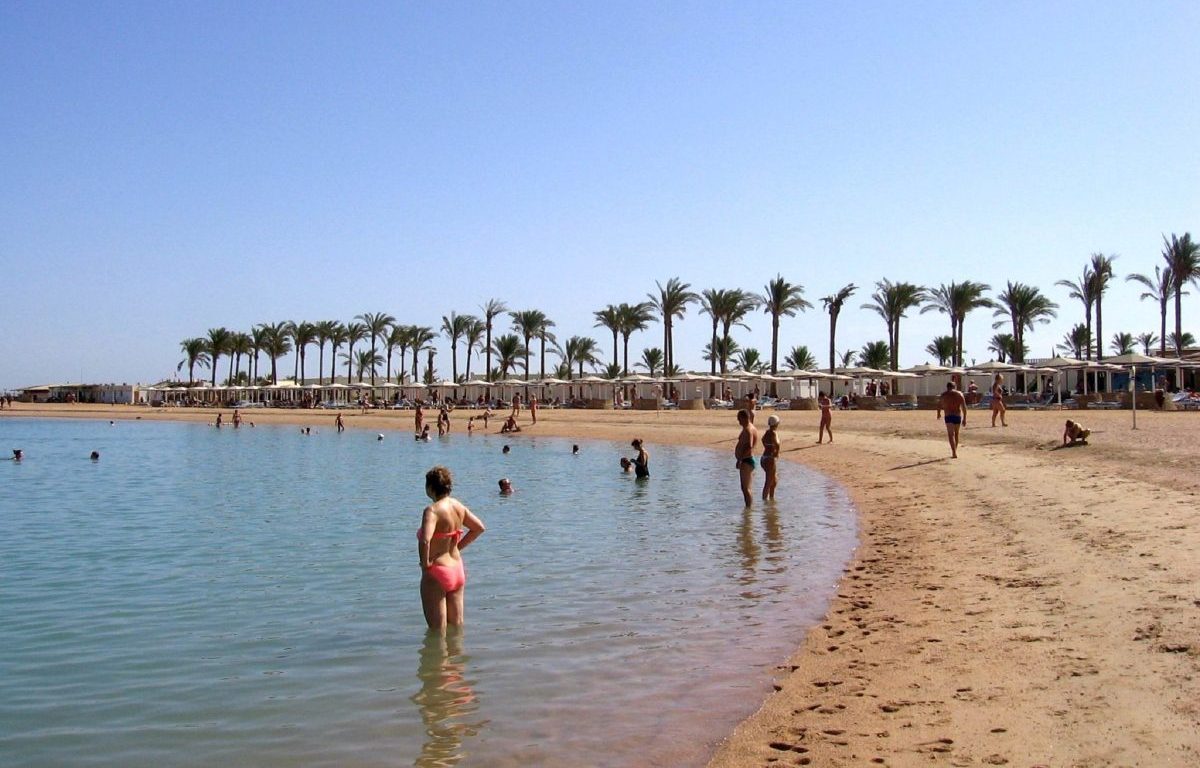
477,383
992,366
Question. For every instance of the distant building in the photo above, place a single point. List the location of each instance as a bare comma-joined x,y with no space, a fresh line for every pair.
107,394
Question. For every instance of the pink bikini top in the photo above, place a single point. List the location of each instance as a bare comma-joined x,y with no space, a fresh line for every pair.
456,535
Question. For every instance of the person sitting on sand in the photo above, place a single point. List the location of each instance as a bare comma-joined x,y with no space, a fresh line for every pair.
1075,433
510,425
440,541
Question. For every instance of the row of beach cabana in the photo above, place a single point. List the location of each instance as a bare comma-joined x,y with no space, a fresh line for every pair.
693,388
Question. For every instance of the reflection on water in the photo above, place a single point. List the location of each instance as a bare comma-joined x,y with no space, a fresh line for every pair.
446,699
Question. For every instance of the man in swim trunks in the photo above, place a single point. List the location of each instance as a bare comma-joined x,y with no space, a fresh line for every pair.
743,452
440,541
955,406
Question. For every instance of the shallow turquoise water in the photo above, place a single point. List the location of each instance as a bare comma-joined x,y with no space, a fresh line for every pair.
248,597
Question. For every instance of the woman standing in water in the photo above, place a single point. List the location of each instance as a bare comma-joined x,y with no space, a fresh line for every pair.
440,541
770,444
641,462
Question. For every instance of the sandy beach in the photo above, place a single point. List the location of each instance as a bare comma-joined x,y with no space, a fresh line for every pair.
1023,605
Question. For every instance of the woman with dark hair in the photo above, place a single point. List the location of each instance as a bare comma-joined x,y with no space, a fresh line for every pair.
447,527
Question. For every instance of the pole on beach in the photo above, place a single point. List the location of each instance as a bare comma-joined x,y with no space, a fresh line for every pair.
1133,392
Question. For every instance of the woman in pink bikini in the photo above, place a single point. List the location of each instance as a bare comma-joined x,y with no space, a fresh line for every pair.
440,541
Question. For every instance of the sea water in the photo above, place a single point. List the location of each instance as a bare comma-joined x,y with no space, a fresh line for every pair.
202,597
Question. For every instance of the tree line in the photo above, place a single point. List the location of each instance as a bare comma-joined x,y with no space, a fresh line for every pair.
1018,308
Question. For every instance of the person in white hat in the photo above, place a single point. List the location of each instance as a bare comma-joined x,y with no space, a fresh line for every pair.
770,444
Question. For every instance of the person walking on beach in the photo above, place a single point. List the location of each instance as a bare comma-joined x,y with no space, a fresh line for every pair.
533,407
770,444
743,453
998,408
826,426
955,405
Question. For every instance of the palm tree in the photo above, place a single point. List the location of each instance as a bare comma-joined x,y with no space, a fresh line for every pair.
303,334
847,358
195,352
1122,343
891,301
750,360
958,300
610,318
800,359
943,348
1025,306
419,338
652,360
324,330
671,302
528,323
1183,259
1004,347
580,350
393,341
1078,342
473,336
377,324
218,344
833,305
368,360
404,338
875,354
1147,340
633,317
1181,341
276,343
781,299
1085,290
454,327
736,306
337,337
430,375
1159,289
491,310
726,348
544,335
509,352
355,332
240,344
712,303
258,341
1102,272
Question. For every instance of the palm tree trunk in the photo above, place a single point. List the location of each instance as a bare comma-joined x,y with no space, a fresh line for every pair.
1178,321
614,346
713,350
1162,316
487,373
1099,333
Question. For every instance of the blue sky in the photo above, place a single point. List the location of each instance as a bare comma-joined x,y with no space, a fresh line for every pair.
166,168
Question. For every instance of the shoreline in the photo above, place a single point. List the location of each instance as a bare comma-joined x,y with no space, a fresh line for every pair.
1023,605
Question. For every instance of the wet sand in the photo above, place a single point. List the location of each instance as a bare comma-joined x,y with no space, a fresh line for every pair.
1024,604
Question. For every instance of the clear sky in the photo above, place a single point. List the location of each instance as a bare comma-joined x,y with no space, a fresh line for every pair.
170,167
